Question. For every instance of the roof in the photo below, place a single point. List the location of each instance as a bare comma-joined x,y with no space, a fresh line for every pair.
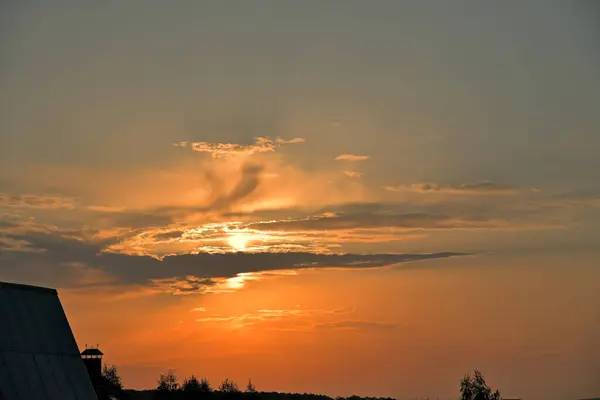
39,358
92,352
20,286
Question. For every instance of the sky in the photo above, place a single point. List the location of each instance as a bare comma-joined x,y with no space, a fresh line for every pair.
341,197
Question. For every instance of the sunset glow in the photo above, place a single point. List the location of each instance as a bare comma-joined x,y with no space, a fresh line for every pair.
238,242
342,197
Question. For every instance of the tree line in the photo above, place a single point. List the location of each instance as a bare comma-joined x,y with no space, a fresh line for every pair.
168,383
472,387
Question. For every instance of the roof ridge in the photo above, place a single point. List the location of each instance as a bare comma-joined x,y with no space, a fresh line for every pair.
20,286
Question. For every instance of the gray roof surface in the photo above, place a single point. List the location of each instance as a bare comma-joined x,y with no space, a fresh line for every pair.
39,358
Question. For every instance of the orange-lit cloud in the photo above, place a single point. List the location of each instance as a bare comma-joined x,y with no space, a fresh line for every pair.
356,325
213,225
353,174
351,157
194,187
296,320
199,271
106,209
259,315
225,150
217,238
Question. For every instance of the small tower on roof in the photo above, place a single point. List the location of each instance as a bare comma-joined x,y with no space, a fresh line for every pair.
92,358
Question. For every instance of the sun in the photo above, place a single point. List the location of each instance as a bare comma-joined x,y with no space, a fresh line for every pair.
238,242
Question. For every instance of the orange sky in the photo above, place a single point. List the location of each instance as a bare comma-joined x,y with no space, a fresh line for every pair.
348,198
391,332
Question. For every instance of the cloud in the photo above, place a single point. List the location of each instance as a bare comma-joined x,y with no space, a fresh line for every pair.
13,226
330,228
184,189
226,150
214,238
106,209
356,325
235,265
246,185
259,315
54,253
574,200
220,199
294,140
185,285
351,157
36,201
353,174
11,244
296,320
479,188
371,220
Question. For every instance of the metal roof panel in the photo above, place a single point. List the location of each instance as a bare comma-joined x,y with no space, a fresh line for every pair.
39,358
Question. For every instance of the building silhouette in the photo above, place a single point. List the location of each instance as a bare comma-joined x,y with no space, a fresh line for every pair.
92,359
39,358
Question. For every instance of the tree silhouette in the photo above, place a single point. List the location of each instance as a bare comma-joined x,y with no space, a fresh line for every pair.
191,385
205,386
475,388
472,387
168,382
228,386
250,388
111,377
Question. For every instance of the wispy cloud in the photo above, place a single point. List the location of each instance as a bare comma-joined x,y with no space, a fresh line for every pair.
259,315
11,244
36,201
574,200
298,320
294,140
218,199
479,188
226,150
353,174
351,157
276,315
356,325
373,220
185,285
106,209
247,184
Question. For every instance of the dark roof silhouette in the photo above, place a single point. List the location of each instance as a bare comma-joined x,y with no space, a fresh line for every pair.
39,358
92,352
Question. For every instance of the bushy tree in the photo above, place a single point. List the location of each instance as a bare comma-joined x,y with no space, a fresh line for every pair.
111,376
475,388
191,385
168,382
250,388
205,386
228,386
